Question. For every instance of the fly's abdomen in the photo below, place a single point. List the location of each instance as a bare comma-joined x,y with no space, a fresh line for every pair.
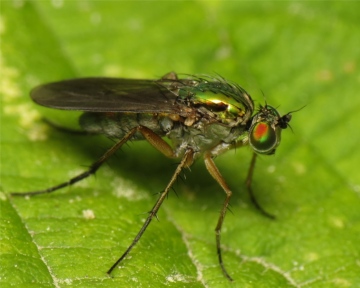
116,125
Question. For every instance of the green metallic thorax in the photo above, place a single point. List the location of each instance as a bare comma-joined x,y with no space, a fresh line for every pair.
222,112
226,102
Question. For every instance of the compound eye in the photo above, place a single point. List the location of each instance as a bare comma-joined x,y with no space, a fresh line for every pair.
263,138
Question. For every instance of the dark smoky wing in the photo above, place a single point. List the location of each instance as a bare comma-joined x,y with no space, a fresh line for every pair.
107,95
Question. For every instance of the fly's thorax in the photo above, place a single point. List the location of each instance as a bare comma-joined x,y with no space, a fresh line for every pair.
218,106
216,99
204,136
116,125
265,130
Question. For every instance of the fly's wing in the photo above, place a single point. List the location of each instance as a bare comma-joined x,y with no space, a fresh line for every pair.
107,95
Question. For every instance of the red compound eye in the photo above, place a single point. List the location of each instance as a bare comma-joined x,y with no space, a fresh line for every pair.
263,138
261,132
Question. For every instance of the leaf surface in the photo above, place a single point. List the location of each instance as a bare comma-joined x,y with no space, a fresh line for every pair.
295,53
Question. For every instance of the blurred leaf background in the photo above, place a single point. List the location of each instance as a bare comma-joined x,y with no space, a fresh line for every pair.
295,53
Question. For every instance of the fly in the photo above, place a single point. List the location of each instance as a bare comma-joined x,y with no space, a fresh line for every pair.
202,116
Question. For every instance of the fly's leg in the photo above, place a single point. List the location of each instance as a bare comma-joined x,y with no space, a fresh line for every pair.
186,161
157,142
251,193
148,134
215,173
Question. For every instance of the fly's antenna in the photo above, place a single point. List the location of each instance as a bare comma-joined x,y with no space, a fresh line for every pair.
285,119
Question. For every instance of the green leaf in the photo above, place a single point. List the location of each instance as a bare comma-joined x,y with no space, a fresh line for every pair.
297,53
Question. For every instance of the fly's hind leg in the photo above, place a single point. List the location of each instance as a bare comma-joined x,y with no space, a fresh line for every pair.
188,158
148,134
186,161
157,142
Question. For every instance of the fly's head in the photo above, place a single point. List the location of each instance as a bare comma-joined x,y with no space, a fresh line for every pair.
265,129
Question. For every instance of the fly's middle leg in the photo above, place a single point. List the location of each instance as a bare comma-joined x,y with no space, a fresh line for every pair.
215,173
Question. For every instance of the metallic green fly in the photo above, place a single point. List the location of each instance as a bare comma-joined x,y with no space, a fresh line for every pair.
202,116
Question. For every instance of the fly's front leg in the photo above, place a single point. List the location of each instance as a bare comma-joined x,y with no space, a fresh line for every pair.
251,193
215,173
186,161
149,135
